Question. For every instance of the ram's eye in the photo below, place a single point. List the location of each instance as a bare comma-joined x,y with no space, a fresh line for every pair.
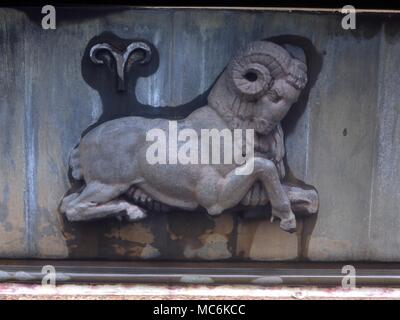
274,96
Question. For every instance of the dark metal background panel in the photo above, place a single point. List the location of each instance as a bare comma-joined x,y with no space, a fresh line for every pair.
342,139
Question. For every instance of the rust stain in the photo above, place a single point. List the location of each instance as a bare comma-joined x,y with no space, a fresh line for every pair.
245,237
69,236
213,242
214,246
149,252
120,250
135,251
308,229
265,241
135,232
173,236
223,224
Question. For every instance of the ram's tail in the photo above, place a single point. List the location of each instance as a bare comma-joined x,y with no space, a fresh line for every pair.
75,165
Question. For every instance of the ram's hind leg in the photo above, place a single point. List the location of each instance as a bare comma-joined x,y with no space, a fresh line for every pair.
99,200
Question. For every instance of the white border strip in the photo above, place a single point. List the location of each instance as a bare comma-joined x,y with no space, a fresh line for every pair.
14,291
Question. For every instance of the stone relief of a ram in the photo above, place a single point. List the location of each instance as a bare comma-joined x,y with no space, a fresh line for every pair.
255,91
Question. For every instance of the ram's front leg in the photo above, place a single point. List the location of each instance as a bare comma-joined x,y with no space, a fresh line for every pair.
231,189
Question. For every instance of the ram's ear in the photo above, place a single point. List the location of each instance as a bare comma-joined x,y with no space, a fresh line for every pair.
296,52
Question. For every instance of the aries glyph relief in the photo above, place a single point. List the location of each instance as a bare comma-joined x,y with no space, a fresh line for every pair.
255,91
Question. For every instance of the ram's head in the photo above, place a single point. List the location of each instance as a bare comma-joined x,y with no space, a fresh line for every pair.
258,87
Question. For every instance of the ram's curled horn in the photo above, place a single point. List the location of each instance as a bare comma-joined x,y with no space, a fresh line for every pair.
297,74
254,68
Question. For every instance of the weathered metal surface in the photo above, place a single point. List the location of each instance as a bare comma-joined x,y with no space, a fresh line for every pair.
383,214
13,221
343,139
341,143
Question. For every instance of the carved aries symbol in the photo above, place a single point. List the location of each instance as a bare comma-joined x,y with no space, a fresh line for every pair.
255,91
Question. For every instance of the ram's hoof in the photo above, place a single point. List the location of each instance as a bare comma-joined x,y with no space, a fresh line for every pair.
288,225
288,221
135,213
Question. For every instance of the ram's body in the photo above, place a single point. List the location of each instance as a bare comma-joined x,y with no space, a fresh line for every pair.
254,92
